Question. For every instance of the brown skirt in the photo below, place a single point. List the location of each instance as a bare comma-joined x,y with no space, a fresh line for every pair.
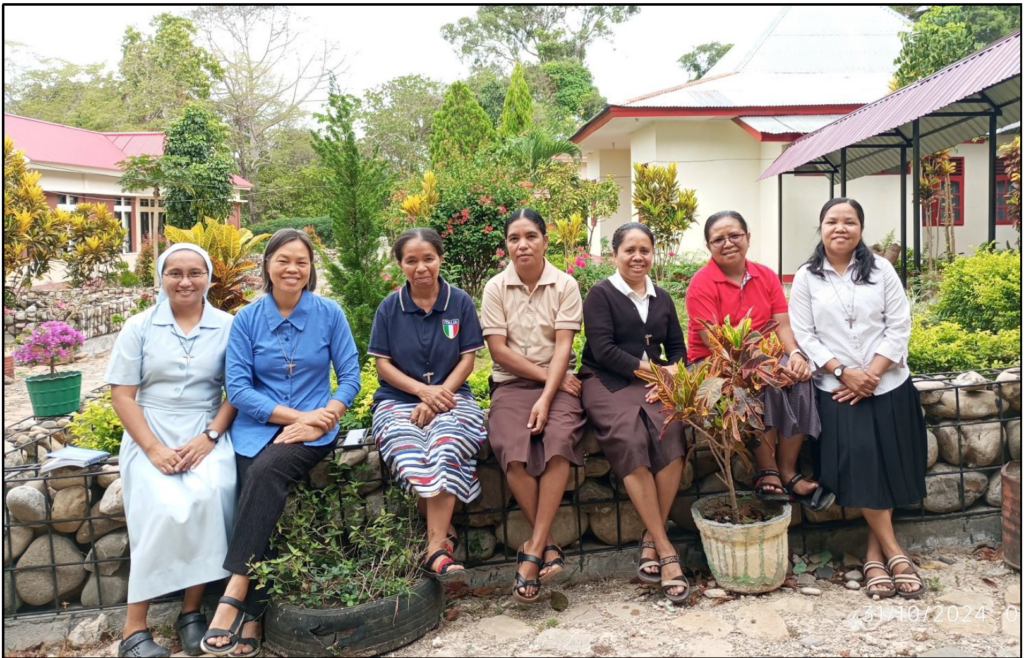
631,430
511,440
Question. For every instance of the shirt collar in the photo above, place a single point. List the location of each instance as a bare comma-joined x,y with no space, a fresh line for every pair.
548,276
623,287
827,265
444,296
719,276
210,319
297,317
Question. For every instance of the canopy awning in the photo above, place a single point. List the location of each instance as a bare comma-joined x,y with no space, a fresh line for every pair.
952,106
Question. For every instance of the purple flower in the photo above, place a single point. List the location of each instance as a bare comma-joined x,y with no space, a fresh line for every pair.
48,343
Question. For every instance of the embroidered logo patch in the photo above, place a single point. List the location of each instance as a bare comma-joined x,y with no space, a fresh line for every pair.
450,327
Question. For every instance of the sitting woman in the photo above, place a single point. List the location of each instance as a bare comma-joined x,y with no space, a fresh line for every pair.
852,316
278,376
732,286
426,423
166,376
530,313
627,322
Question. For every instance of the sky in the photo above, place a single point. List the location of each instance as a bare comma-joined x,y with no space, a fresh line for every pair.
381,43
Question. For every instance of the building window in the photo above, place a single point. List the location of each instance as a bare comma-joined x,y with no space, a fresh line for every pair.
1002,191
144,203
123,212
956,188
67,202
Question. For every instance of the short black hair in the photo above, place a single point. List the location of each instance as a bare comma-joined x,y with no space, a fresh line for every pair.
428,235
620,234
527,213
280,239
723,214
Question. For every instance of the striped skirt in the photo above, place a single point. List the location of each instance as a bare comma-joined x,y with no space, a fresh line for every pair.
435,459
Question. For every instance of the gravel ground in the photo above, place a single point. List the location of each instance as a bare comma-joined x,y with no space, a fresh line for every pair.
16,403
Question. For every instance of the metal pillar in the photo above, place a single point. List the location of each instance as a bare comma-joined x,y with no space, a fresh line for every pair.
780,227
916,172
992,155
842,179
903,214
831,185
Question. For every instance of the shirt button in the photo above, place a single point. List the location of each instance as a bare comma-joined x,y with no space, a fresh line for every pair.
181,366
177,389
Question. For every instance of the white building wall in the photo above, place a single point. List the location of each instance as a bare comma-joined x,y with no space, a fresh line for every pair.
79,183
617,164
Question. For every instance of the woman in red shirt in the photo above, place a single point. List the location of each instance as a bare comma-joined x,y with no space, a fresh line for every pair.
732,286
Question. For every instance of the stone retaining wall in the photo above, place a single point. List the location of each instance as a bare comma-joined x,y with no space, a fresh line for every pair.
88,311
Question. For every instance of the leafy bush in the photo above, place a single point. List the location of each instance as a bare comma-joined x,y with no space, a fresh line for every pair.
144,262
947,346
323,226
678,273
359,415
983,291
589,272
128,279
479,379
97,426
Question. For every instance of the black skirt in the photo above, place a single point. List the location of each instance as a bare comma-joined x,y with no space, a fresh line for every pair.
874,454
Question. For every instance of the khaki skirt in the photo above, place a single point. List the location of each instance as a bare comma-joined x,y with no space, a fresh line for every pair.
631,430
511,441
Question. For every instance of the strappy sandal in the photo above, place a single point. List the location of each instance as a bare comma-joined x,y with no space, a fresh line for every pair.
651,578
444,572
818,500
522,583
666,585
191,626
452,540
556,566
140,644
253,643
909,577
761,487
231,634
882,593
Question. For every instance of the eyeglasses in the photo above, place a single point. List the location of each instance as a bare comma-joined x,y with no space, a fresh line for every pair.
734,238
194,275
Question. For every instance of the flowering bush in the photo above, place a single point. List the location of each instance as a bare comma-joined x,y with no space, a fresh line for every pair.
47,344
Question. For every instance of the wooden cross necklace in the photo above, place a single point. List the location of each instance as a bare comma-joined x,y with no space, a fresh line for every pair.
289,360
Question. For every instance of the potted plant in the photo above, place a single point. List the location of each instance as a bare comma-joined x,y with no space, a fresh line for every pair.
745,540
346,578
55,393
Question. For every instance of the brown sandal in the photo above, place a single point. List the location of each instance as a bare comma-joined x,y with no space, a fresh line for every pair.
651,578
909,577
666,585
882,593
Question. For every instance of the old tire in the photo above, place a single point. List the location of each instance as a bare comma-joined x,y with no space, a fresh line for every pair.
370,629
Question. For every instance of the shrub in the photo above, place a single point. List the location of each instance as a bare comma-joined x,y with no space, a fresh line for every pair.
97,426
360,414
128,279
947,346
589,272
479,380
96,238
678,273
323,226
144,262
666,209
48,344
982,292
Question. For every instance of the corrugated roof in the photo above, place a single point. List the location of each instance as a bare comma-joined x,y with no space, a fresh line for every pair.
969,85
789,123
1012,129
151,143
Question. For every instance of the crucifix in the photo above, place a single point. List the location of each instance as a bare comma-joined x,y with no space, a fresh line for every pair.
647,338
188,359
290,367
850,320
427,376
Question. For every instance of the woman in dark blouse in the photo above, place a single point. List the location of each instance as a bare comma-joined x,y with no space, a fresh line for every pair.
628,322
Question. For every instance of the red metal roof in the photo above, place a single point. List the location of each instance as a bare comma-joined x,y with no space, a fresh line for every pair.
957,84
138,143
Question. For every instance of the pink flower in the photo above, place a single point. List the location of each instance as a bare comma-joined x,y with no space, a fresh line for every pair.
488,229
499,252
502,263
580,262
503,210
569,270
387,277
671,254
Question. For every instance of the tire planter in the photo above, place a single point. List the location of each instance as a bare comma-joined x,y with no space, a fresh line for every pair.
54,395
1011,514
370,629
747,559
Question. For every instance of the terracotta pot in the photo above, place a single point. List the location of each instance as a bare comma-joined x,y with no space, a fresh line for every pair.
8,366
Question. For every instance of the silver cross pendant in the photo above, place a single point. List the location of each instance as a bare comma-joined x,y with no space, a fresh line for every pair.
188,359
427,376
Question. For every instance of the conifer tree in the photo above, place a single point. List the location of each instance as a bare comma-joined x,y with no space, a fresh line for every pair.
461,127
517,115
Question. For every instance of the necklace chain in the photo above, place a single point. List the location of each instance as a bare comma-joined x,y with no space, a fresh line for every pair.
289,360
850,319
191,342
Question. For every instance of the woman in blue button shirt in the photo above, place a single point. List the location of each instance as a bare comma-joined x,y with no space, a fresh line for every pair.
426,423
278,378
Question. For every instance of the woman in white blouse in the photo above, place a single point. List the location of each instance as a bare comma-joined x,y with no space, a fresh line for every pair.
851,316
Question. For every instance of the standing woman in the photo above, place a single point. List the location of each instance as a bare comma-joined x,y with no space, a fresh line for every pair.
166,376
851,315
627,321
426,423
530,314
732,286
278,376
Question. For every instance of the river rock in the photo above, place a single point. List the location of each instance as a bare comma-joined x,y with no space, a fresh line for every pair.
933,449
597,466
1010,389
27,504
113,588
494,495
481,543
994,493
112,503
930,390
564,529
351,457
577,476
971,381
318,475
590,444
1013,438
11,600
36,586
61,478
96,528
833,513
14,545
604,524
972,405
369,474
594,490
943,490
681,512
108,547
981,444
71,503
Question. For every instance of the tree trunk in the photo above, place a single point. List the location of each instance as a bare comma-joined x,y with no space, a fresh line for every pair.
154,229
732,487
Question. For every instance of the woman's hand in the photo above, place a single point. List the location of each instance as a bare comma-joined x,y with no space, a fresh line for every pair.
322,418
194,452
165,459
859,381
538,416
571,385
299,433
798,367
421,415
438,398
843,394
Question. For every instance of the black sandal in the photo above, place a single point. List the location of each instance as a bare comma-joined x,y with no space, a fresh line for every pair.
444,573
231,634
761,487
666,585
140,644
556,565
191,627
522,583
651,578
818,500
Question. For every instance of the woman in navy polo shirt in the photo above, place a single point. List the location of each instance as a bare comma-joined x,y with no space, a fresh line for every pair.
426,423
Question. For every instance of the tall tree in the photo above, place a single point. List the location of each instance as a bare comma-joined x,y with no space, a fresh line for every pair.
267,77
163,72
988,21
461,127
700,60
396,117
940,37
489,87
506,34
517,114
195,142
83,96
293,182
574,90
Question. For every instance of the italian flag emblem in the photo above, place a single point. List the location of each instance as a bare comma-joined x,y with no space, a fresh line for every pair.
450,327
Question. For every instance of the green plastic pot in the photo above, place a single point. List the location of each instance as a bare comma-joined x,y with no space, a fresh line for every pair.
54,395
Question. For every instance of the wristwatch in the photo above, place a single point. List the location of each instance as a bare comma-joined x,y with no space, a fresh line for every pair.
838,372
211,433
